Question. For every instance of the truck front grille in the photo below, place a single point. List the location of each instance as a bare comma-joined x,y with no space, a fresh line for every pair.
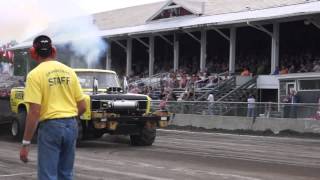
142,105
122,107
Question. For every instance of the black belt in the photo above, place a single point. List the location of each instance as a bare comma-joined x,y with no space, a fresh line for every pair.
55,119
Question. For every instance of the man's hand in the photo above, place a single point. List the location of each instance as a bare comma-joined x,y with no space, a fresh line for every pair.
31,126
24,151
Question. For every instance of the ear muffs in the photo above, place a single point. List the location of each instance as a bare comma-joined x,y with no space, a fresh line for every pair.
34,54
53,52
36,57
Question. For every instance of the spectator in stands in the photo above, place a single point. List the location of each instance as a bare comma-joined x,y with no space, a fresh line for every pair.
183,81
190,95
316,67
162,93
171,96
182,96
302,69
284,70
194,78
261,68
245,72
204,80
251,106
148,91
292,69
163,103
135,90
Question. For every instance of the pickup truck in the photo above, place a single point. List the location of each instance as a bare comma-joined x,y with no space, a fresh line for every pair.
109,110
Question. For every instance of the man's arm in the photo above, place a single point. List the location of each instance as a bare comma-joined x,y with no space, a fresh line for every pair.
81,105
31,126
32,121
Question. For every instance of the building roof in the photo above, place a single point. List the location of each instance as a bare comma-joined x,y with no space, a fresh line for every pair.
214,7
131,16
134,20
217,20
138,15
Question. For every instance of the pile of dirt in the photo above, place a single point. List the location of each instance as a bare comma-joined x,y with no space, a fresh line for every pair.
284,133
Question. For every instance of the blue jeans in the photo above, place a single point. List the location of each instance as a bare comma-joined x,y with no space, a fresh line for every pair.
56,149
250,112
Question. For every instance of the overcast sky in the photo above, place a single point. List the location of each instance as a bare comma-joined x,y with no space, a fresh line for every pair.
22,18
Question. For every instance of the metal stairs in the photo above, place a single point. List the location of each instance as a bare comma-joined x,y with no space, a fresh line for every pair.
240,93
220,90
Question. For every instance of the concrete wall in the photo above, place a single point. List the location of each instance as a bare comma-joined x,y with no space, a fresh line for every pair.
243,123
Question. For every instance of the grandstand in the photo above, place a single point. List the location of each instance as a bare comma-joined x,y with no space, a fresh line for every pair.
190,48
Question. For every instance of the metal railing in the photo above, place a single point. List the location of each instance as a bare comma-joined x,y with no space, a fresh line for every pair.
153,81
266,110
238,92
221,87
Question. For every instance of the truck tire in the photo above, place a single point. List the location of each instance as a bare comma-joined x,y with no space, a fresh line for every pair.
145,138
80,131
18,125
97,134
83,131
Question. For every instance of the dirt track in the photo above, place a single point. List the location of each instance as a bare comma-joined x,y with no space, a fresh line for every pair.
181,155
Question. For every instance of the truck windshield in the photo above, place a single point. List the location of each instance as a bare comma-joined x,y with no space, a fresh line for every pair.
104,79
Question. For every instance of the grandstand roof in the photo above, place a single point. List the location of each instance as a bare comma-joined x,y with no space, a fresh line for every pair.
138,19
138,15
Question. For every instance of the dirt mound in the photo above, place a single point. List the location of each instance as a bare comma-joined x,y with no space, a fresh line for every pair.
284,133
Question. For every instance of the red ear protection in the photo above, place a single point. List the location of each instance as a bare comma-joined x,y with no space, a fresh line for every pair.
34,54
42,48
36,57
53,52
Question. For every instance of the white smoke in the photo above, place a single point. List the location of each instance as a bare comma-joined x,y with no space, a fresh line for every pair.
81,35
24,19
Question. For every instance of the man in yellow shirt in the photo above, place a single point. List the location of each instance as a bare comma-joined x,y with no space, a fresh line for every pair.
55,99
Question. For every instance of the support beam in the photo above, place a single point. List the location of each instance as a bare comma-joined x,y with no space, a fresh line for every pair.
151,55
203,50
176,52
129,57
315,23
109,60
193,36
221,33
232,52
142,42
274,43
120,44
275,47
261,28
165,39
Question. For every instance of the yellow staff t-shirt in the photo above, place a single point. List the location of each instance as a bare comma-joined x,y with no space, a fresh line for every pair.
56,88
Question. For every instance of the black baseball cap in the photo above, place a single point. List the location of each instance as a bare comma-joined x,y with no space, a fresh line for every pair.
43,45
